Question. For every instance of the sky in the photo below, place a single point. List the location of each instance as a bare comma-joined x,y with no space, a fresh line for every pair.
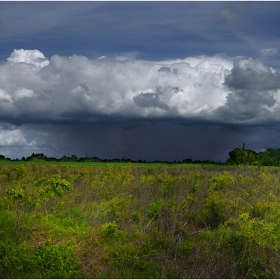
139,80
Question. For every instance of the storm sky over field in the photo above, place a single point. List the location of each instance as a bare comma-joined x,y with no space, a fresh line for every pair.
139,80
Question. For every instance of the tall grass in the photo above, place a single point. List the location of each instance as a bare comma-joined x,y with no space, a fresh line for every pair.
139,222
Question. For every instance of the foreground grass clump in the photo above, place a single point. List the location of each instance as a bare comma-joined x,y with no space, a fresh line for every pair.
139,222
46,261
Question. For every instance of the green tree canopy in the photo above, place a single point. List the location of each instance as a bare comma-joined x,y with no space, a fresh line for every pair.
243,156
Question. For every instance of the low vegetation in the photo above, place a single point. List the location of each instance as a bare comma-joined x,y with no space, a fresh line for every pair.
243,156
62,221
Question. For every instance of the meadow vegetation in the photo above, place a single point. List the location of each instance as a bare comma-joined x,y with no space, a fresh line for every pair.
64,221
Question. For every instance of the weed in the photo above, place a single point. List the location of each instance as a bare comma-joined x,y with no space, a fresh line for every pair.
109,230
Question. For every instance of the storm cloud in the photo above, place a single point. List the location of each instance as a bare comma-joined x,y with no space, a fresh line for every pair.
142,80
149,100
68,104
254,93
33,88
250,74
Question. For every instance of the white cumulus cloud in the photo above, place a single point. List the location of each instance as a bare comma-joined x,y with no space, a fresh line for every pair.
33,57
5,97
76,89
12,138
23,92
67,88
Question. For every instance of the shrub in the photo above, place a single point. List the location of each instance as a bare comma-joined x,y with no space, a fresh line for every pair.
109,230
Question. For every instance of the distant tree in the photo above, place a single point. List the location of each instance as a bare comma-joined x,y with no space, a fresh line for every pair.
74,158
246,157
89,159
64,159
270,157
36,157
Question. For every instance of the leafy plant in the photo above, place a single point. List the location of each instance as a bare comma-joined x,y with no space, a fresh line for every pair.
110,230
26,199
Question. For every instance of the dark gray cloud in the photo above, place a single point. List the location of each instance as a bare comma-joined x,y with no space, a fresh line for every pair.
253,96
252,75
164,69
148,141
167,70
147,100
253,93
246,106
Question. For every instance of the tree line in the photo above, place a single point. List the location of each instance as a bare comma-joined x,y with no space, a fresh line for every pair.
270,157
74,158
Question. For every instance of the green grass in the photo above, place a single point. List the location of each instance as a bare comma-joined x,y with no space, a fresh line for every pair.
130,221
134,164
45,261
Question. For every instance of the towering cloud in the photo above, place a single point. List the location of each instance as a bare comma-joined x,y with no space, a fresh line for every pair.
66,89
33,57
77,89
79,95
254,95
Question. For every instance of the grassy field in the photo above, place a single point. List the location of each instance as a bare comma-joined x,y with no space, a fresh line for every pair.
103,164
114,220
